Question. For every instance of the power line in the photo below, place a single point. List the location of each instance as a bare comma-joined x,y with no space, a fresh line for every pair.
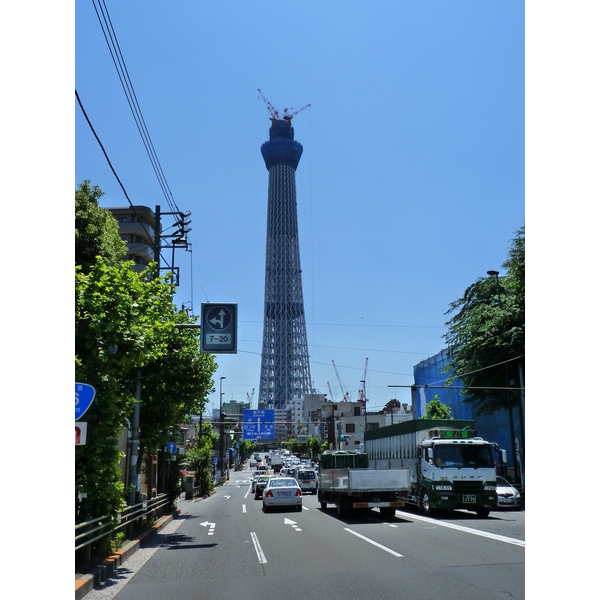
150,238
119,62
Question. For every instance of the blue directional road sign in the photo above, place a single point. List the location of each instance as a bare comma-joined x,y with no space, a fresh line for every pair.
219,328
84,394
259,425
171,447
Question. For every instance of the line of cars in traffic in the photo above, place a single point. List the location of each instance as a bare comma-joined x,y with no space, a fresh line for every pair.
286,487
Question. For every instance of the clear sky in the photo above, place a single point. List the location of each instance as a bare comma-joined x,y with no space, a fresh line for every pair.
410,187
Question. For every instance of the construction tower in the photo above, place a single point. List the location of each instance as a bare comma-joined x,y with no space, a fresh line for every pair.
285,371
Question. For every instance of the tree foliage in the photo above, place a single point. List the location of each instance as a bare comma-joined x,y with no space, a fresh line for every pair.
486,334
125,328
436,409
96,230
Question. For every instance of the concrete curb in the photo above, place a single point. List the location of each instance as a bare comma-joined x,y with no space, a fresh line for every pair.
100,573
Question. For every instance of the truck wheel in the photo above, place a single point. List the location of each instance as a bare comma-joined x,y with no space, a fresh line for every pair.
339,508
387,512
482,512
424,504
323,505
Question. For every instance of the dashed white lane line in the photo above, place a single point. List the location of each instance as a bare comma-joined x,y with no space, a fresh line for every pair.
362,537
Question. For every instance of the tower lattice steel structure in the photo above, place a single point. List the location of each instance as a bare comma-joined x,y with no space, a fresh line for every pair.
285,370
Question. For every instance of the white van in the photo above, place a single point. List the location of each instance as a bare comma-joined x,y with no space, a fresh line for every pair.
307,478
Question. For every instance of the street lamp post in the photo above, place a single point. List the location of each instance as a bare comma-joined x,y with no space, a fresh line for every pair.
495,274
221,428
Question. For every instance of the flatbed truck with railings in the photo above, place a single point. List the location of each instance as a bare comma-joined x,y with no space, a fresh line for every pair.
346,480
450,467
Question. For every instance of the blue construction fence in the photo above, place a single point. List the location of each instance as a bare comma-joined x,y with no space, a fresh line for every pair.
494,427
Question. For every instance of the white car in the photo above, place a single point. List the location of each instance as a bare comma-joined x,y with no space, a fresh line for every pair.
282,491
508,496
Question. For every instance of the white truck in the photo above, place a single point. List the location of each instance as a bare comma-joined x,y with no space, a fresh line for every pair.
450,467
276,461
346,480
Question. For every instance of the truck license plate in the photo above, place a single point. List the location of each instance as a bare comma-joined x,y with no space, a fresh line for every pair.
469,499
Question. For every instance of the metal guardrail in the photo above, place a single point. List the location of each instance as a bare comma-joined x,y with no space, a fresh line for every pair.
91,531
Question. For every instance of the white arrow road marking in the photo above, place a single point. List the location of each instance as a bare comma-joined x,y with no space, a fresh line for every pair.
389,524
261,557
287,521
210,525
373,542
243,508
227,497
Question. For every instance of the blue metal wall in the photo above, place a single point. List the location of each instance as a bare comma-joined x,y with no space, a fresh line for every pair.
494,428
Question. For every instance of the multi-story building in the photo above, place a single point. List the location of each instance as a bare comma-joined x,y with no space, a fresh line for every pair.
137,227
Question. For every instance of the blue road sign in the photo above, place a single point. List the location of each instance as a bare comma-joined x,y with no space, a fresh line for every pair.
84,394
171,447
259,424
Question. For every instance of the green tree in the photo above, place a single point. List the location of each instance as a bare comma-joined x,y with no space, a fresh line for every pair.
125,326
486,334
436,409
199,456
314,447
96,230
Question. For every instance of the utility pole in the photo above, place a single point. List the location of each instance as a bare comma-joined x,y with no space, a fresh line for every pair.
508,396
135,442
221,426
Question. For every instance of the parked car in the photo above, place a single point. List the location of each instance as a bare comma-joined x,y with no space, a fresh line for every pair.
282,491
508,496
307,478
254,480
261,483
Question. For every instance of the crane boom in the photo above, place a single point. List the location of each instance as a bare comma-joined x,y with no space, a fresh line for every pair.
346,394
288,113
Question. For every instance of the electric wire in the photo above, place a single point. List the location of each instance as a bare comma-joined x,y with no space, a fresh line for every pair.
119,62
150,238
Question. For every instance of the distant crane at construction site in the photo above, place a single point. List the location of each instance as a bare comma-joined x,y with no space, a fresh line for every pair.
362,391
346,394
288,113
250,397
330,392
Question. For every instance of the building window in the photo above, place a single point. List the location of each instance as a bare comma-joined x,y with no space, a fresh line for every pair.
350,428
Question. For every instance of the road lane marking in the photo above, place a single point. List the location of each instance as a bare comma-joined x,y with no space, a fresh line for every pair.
392,552
261,557
287,521
243,508
492,536
211,526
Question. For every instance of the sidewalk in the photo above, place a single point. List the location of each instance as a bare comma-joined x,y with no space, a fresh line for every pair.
86,582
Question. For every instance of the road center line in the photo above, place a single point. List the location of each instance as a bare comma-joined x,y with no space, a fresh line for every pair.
492,536
373,542
261,557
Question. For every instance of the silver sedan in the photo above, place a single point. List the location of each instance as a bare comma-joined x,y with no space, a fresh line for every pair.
282,491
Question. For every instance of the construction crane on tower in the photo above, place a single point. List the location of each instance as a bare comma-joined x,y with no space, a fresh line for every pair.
330,392
288,113
346,394
250,397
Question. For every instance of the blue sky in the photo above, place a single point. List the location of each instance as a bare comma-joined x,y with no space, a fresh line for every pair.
410,187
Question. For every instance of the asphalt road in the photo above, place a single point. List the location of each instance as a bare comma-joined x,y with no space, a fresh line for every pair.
225,546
